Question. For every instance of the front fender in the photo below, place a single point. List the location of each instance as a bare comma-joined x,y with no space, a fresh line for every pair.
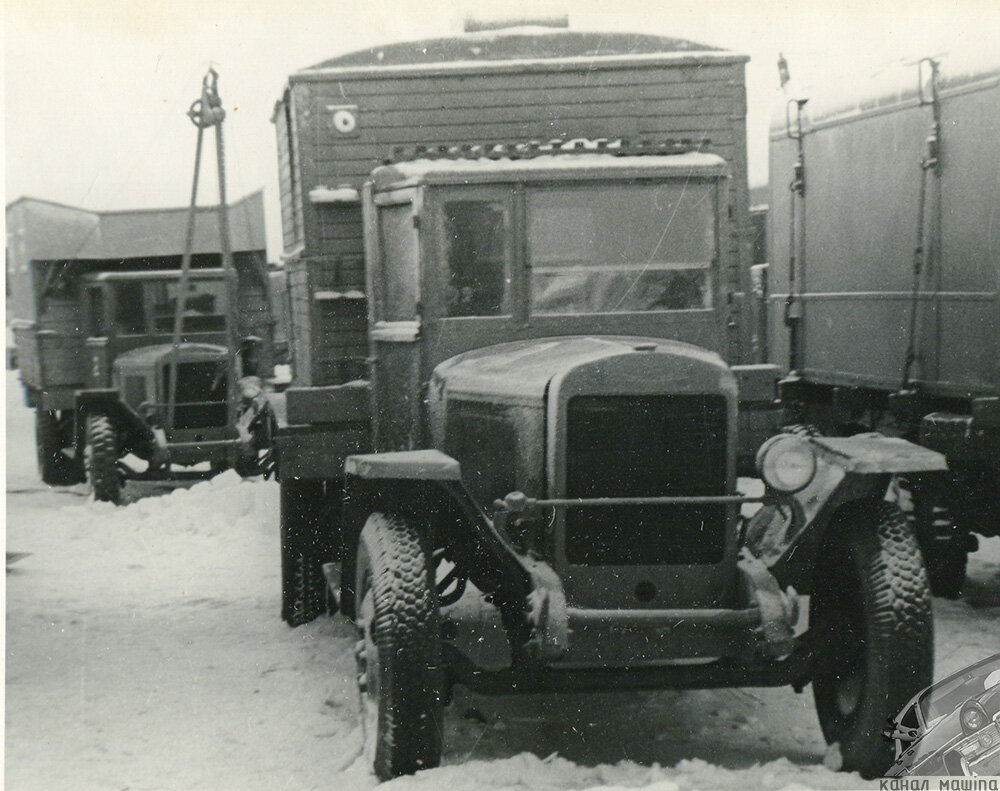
788,531
136,434
426,486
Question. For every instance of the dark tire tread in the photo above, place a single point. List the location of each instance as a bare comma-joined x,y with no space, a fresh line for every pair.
304,549
103,463
405,629
879,547
945,561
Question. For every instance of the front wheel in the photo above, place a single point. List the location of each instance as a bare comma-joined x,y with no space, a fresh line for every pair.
101,454
399,649
871,631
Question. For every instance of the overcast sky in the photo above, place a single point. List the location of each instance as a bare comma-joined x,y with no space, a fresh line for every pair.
96,91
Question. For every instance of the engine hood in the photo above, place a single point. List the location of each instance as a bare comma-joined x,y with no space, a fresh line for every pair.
522,371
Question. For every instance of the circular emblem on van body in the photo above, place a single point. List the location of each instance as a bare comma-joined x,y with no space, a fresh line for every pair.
344,121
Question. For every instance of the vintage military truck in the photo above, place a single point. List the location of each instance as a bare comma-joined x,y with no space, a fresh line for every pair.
548,499
531,482
471,93
883,268
96,298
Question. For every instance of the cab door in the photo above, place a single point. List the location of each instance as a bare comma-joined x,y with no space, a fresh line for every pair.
392,250
98,328
473,277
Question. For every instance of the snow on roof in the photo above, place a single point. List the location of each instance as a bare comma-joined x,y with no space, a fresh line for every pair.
52,231
201,273
560,166
146,356
517,43
520,49
892,85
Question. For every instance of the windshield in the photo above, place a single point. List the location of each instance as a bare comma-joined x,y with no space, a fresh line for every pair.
946,696
204,303
621,247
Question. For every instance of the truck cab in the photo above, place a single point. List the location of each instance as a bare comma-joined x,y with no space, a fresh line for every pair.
468,253
130,310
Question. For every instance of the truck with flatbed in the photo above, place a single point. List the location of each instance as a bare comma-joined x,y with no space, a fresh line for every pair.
510,450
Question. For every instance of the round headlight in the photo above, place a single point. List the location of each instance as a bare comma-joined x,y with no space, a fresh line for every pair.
787,463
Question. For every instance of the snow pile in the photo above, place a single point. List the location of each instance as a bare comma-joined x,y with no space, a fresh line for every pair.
527,771
224,504
530,771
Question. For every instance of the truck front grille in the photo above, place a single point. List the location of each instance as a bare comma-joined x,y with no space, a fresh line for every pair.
201,395
646,446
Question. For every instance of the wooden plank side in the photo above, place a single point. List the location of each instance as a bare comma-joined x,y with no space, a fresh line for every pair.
446,112
520,107
286,183
562,76
299,301
633,102
376,97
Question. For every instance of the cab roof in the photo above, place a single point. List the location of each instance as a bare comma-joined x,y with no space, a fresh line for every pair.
147,356
209,273
548,167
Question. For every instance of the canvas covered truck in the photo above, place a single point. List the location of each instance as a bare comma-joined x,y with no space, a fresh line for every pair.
884,281
95,298
510,454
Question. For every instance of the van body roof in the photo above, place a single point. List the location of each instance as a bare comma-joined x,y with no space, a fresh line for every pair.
516,46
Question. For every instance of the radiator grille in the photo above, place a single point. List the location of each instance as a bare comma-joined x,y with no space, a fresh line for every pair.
201,395
648,446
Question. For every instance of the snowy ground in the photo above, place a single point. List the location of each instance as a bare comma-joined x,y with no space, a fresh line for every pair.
144,651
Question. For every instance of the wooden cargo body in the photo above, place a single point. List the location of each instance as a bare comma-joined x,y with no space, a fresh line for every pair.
863,180
340,119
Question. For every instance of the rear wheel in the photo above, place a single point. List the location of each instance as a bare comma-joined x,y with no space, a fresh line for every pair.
399,677
945,547
305,547
872,633
101,453
54,466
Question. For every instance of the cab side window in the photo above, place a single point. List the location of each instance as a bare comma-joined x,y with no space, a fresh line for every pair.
476,244
399,285
96,324
130,310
